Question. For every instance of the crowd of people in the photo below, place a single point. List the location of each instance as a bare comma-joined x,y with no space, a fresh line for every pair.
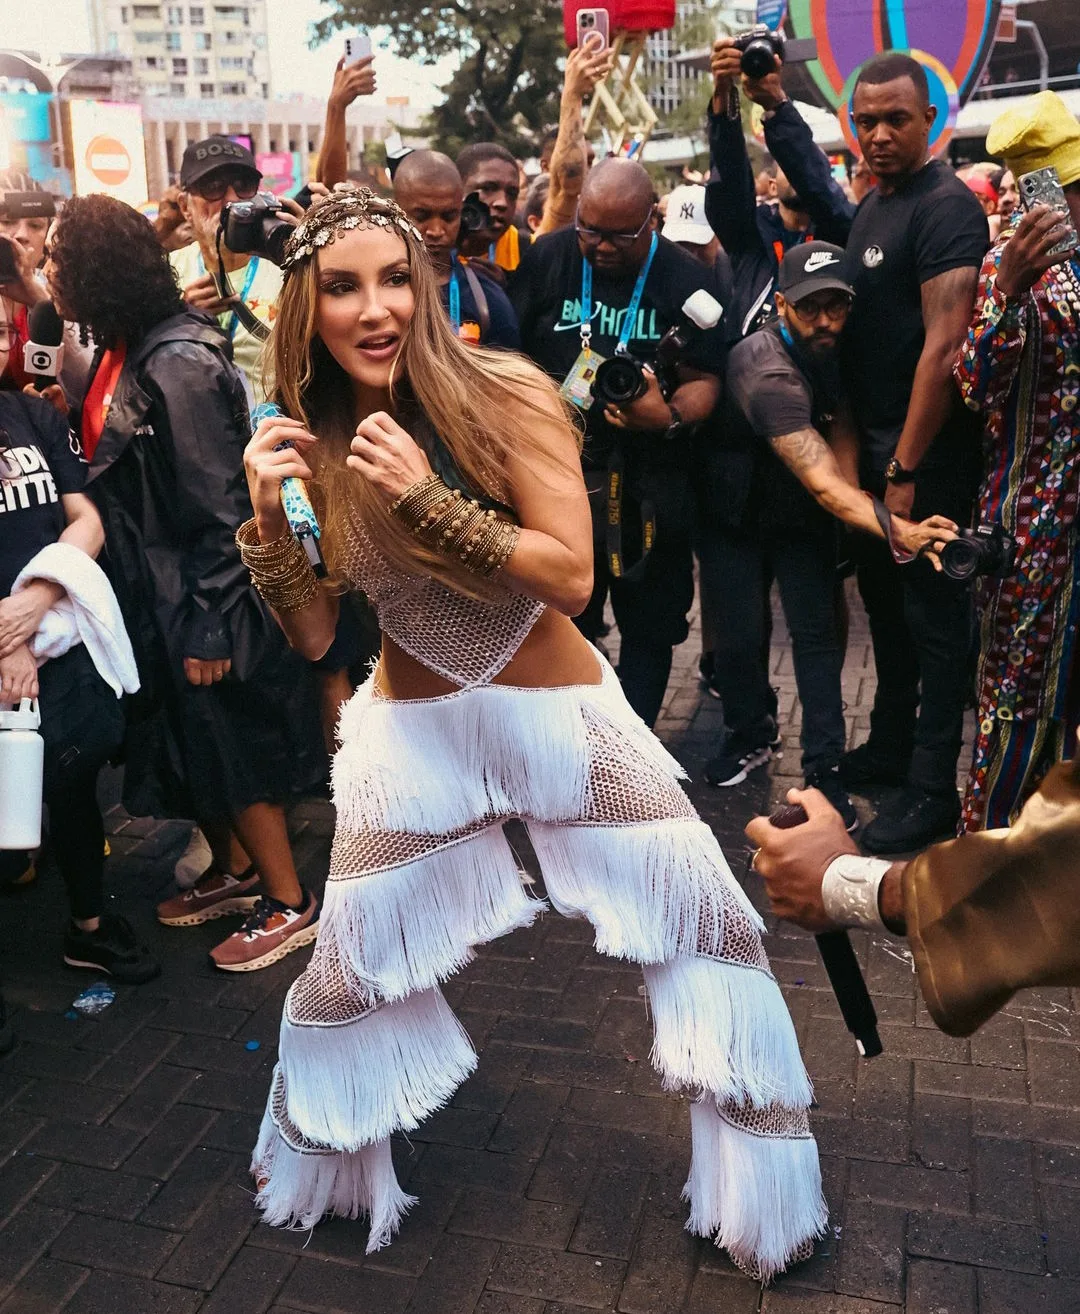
519,408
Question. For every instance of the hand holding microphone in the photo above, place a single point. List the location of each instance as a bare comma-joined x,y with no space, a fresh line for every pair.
797,896
43,355
276,473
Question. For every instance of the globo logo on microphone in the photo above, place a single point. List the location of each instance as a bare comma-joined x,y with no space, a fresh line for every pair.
42,360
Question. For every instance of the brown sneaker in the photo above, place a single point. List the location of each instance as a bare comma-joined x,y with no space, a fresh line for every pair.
214,894
270,931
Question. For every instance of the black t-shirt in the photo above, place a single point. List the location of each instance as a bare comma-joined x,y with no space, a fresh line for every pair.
40,461
546,293
503,329
776,390
897,243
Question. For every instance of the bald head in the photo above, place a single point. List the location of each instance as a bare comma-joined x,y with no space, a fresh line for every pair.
614,179
428,188
426,168
613,216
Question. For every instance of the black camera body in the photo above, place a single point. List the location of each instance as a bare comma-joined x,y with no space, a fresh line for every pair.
761,45
475,215
255,227
984,550
27,205
621,380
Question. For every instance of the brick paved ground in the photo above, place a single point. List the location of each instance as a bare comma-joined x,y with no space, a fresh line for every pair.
551,1184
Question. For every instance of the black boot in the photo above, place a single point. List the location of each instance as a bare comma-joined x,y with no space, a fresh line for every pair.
913,818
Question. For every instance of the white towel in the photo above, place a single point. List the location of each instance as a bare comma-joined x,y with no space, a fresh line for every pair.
87,613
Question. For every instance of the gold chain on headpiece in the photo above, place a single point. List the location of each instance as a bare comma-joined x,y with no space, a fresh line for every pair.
359,208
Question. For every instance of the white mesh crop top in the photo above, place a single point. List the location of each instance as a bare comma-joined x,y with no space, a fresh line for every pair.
466,641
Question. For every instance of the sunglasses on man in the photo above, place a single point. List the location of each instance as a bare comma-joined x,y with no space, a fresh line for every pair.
214,188
834,308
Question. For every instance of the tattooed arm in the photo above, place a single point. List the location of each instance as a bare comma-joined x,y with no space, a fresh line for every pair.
570,158
812,461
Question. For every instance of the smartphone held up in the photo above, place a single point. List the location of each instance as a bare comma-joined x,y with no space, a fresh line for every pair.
1043,187
593,30
357,47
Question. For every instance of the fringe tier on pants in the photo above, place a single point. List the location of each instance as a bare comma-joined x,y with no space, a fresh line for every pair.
421,873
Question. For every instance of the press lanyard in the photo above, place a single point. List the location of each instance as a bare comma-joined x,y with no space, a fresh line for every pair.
631,310
249,278
455,291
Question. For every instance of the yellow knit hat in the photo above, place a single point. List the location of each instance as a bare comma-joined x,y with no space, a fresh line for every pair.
1038,134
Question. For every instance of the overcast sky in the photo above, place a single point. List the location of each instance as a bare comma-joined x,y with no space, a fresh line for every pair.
293,67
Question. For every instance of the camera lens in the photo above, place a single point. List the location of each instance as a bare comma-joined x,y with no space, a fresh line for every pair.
758,59
619,381
960,559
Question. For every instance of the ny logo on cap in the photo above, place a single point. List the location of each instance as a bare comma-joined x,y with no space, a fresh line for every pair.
687,210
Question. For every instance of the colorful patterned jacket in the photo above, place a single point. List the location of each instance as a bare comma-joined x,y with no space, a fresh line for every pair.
1020,367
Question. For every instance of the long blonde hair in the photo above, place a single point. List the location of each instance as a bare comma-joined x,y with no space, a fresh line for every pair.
462,391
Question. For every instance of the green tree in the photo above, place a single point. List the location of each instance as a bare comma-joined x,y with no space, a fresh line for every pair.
507,86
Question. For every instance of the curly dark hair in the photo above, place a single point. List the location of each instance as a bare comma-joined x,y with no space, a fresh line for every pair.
111,274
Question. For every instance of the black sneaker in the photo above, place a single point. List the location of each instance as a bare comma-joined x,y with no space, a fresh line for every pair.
7,1035
912,819
732,766
828,781
113,949
864,768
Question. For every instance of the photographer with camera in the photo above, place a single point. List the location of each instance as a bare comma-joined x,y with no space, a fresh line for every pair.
491,174
913,257
213,174
26,211
810,201
610,290
428,188
1020,370
789,413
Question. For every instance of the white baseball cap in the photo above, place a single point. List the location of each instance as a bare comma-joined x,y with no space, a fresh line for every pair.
685,220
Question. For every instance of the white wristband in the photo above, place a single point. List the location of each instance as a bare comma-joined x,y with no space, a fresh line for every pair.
849,891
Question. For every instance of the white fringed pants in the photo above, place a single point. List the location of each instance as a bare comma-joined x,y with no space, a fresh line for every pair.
421,873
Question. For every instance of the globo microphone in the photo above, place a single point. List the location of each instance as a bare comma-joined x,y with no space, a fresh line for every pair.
44,354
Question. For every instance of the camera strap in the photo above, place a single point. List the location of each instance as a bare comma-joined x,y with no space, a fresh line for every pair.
884,519
241,313
631,313
483,311
616,477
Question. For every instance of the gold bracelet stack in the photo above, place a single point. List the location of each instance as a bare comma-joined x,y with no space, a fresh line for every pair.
456,525
280,571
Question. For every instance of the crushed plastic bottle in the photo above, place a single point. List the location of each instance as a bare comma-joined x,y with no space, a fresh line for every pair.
94,999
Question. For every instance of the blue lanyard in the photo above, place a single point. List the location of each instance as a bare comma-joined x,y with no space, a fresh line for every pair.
491,251
632,309
249,278
455,291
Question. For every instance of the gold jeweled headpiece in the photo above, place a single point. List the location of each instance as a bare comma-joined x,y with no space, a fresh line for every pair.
340,212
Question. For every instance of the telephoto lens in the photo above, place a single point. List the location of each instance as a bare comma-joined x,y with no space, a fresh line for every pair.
759,59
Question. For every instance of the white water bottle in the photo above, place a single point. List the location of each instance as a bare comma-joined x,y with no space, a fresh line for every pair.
22,764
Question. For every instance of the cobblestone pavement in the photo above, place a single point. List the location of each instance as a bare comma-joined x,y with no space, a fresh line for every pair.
551,1184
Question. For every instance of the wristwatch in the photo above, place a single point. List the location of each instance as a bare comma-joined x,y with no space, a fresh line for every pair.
896,474
675,428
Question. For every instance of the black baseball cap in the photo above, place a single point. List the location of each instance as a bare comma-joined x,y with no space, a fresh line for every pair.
812,267
203,158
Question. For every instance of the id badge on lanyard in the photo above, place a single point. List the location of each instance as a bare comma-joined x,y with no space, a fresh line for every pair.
577,386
